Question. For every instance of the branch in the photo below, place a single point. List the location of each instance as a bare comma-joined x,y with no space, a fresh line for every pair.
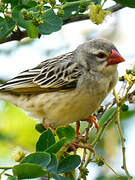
117,121
112,9
18,34
115,8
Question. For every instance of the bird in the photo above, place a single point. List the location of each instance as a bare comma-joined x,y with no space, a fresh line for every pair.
66,88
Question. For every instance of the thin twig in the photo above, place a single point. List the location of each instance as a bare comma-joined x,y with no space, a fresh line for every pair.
123,99
121,135
83,17
98,137
100,158
115,8
2,173
6,168
132,93
15,36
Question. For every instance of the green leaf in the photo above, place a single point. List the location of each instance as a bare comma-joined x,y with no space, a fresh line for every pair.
128,3
68,132
51,22
9,1
6,26
46,140
127,115
31,29
40,158
57,146
97,1
124,107
29,3
69,163
28,170
59,177
40,128
68,10
52,166
107,115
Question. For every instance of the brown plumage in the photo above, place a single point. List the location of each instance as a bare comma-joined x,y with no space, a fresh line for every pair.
69,87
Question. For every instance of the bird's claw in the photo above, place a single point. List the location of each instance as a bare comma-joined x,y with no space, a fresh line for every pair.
91,119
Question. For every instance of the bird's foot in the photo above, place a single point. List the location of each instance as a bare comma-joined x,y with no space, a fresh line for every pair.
47,127
76,144
77,128
91,119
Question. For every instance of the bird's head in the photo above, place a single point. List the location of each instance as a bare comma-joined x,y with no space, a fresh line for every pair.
99,55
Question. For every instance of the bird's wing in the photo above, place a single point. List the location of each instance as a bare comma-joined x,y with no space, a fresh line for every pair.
51,75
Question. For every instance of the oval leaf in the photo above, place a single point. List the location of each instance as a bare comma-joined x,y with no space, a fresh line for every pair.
29,3
128,3
59,177
6,26
40,158
52,166
51,23
27,24
46,140
107,115
67,132
69,163
69,9
57,146
28,170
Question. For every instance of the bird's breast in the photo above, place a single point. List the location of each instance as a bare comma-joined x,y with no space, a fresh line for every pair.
63,108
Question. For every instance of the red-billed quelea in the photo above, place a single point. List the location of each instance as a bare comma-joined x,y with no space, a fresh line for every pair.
69,87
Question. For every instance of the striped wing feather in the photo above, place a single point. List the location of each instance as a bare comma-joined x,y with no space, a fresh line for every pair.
51,75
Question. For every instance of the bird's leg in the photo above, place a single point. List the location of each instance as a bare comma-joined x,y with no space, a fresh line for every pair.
47,127
92,120
77,128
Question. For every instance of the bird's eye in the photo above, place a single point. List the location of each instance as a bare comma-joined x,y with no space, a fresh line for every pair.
101,55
